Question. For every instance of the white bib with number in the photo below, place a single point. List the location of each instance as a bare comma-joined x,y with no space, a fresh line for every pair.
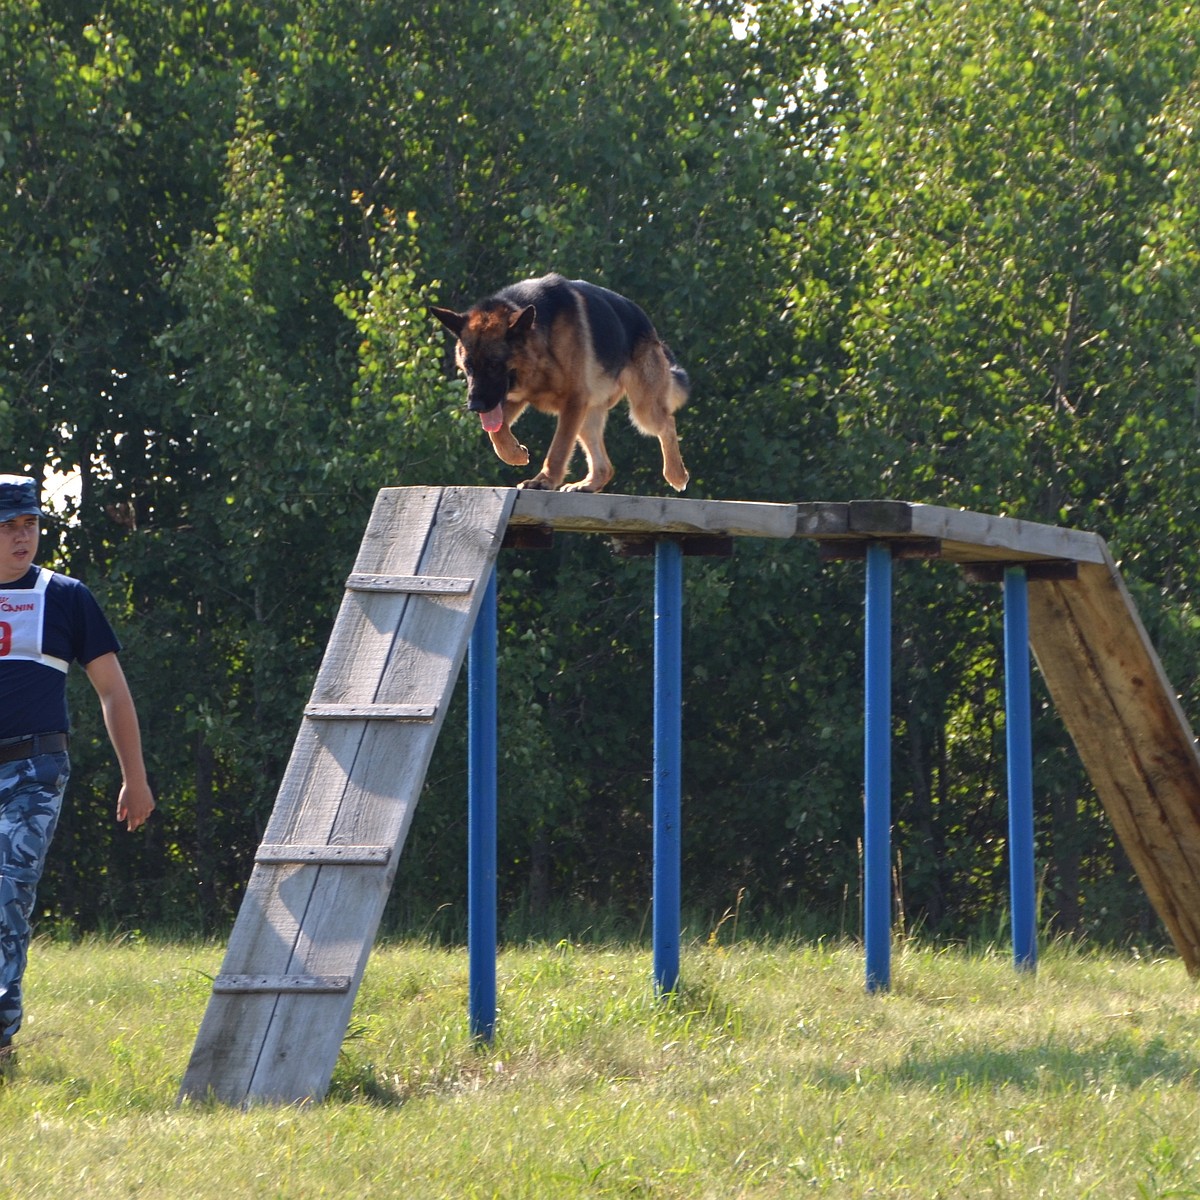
22,617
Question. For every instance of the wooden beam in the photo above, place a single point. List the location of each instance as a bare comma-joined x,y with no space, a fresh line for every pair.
972,537
371,712
640,546
964,536
340,856
881,518
1036,571
607,512
822,519
836,550
249,984
428,585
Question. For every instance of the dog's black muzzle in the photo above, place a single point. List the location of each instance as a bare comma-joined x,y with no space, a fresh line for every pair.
484,395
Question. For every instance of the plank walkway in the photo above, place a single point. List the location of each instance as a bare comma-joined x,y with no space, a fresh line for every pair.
282,1002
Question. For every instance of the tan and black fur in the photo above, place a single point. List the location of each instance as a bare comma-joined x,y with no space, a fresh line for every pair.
573,349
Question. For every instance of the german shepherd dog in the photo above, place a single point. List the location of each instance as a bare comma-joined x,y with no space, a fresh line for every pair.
572,349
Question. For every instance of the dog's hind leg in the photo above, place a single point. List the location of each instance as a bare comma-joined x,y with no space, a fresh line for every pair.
674,472
591,438
654,394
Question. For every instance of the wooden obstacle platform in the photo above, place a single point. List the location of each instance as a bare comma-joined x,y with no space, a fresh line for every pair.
282,1002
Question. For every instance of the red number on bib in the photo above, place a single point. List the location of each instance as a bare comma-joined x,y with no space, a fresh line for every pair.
5,638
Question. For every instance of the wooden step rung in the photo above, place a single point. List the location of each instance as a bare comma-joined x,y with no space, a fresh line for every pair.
371,712
334,856
314,984
416,585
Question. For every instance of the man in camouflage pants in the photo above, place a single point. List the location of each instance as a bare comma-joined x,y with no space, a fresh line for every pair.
47,621
33,790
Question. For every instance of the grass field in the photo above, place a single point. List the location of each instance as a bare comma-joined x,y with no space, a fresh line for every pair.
772,1075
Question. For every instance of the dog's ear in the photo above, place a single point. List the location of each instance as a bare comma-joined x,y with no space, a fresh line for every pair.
453,321
523,321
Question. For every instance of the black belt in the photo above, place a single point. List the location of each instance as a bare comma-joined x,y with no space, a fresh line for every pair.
41,743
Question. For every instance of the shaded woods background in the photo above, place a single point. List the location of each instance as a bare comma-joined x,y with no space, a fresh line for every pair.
938,252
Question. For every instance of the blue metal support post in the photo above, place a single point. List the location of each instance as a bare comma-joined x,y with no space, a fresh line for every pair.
668,732
877,852
1018,732
481,819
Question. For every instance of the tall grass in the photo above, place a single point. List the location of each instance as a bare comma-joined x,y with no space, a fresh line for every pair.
772,1074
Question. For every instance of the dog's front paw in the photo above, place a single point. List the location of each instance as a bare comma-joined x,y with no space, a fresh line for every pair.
538,484
508,449
515,456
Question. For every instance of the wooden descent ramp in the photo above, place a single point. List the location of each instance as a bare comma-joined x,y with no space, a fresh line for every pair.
1110,689
281,1004
1102,672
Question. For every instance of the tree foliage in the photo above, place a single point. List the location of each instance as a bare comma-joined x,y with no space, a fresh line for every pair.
944,252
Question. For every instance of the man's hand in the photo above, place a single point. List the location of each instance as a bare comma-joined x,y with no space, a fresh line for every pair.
136,802
134,805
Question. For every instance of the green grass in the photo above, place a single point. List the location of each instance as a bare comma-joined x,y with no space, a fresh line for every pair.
772,1075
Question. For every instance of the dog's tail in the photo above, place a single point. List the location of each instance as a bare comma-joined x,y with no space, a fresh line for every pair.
681,385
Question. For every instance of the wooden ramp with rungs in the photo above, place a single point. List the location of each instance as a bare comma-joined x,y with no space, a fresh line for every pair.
281,1004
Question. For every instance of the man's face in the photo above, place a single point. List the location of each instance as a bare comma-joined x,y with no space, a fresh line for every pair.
18,546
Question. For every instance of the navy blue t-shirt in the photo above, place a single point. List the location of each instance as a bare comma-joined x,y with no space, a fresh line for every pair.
33,697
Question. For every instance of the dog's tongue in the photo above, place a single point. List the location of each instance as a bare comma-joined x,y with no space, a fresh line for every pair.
493,418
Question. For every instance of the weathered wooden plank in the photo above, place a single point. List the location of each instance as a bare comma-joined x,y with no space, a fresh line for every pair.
323,758
612,513
361,640
228,1046
230,1039
971,536
1106,680
380,793
322,855
371,712
822,520
361,581
1109,687
964,536
280,984
881,518
365,630
354,783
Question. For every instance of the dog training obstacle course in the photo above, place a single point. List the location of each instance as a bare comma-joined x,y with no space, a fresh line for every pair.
282,1002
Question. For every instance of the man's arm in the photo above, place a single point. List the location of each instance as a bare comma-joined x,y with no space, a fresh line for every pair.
135,802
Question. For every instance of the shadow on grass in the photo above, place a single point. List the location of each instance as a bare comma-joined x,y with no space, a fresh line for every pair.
364,1083
1116,1061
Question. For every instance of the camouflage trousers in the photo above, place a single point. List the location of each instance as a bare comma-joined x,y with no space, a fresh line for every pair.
31,792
